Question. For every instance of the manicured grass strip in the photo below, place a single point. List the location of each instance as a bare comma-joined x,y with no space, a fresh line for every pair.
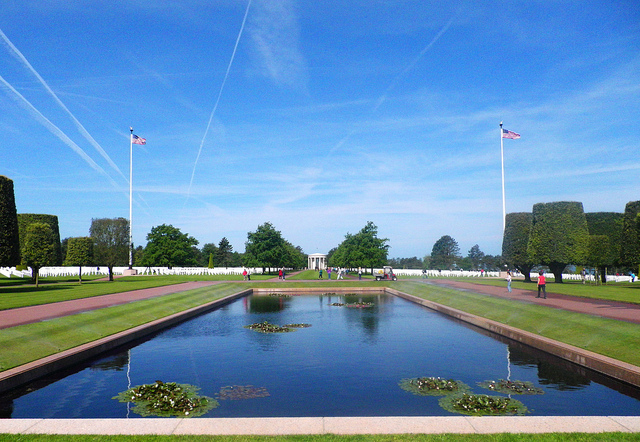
23,295
623,292
609,337
29,342
551,437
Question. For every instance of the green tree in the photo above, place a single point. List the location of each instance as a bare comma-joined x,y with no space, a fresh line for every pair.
9,233
79,253
445,253
24,219
405,263
267,248
608,224
237,259
559,236
138,255
39,248
224,251
476,256
364,249
515,242
210,252
110,242
167,246
598,255
630,246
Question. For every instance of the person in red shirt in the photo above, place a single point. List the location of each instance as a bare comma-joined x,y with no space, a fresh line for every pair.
542,285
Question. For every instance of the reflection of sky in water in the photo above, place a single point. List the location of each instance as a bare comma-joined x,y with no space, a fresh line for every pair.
348,363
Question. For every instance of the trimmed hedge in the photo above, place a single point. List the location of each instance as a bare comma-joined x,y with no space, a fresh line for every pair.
25,219
9,236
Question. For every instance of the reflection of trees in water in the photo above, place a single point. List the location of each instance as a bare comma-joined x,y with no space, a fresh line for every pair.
117,362
266,304
366,317
6,407
553,372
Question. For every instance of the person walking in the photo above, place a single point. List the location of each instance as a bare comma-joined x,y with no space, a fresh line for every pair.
320,274
359,273
328,272
509,281
542,284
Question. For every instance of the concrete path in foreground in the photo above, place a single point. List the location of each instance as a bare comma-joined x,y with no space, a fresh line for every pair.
326,425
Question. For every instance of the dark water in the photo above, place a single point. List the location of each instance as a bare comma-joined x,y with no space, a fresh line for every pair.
348,363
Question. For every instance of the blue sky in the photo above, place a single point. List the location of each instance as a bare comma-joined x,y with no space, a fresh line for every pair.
319,116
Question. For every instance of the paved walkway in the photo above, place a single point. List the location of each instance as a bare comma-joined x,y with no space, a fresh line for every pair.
622,311
608,309
323,425
36,313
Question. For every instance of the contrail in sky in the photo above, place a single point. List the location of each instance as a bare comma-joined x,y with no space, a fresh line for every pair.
410,66
80,127
246,13
56,131
395,81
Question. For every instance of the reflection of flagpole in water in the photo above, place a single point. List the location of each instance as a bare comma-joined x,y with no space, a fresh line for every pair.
128,377
508,367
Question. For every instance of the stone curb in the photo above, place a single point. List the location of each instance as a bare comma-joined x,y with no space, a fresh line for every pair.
322,425
325,425
602,364
23,374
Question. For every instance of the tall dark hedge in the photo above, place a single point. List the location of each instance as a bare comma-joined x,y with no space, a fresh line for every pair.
516,240
559,236
9,236
608,224
25,219
630,247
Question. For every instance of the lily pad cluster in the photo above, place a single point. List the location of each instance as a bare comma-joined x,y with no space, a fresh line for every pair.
459,399
267,327
354,304
238,392
511,387
431,386
482,405
167,399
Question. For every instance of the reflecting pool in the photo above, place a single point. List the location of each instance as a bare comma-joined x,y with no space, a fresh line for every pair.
348,363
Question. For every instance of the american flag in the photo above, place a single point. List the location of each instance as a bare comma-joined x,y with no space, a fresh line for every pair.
137,140
511,135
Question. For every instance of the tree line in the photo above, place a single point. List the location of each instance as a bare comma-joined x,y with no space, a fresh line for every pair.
552,235
557,234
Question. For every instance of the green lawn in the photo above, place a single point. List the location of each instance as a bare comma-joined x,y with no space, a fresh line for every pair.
613,338
616,339
24,343
29,342
16,293
623,291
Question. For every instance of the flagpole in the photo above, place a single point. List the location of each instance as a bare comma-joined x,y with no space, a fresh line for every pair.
504,207
130,198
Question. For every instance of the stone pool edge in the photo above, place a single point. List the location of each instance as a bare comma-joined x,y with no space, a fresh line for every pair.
613,368
323,425
17,376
